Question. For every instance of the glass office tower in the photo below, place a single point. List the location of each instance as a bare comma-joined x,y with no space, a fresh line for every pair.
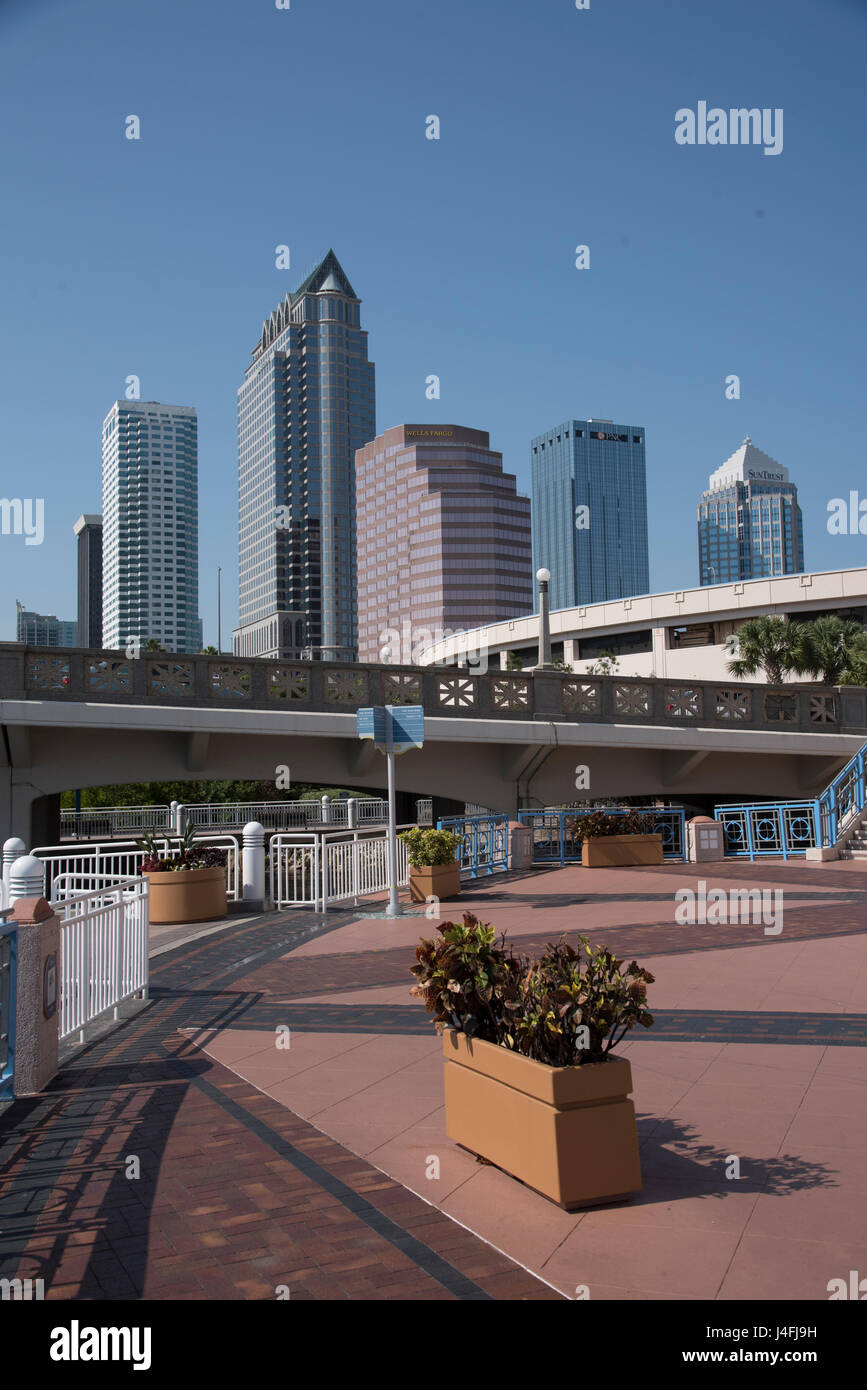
44,629
306,405
590,511
749,521
150,536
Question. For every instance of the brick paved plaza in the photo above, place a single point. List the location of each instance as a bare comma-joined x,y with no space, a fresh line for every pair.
307,1167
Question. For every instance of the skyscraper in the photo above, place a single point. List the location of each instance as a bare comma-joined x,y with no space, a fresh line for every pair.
749,521
590,511
88,529
306,405
443,539
150,510
44,629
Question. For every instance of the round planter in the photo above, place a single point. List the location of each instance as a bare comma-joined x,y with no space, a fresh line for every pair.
435,881
190,895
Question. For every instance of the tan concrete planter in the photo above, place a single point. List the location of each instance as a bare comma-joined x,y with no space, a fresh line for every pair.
567,1132
190,895
613,851
435,880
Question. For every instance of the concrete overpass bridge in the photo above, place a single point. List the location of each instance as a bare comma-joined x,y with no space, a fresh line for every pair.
75,718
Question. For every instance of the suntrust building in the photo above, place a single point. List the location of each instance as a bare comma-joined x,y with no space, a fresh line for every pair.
749,521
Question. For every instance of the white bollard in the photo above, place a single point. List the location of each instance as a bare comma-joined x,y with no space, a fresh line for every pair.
26,878
326,810
253,861
12,850
352,813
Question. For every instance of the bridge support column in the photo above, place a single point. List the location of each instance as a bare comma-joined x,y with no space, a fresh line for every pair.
19,815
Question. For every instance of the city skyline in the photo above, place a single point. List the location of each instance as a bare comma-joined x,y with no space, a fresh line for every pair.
704,263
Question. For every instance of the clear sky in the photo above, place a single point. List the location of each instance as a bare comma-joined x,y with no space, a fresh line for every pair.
306,127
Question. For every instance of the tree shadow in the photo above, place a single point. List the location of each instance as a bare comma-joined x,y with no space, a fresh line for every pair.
694,1168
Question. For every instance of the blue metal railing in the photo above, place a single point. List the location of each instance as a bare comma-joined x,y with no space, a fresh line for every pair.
8,964
557,837
484,842
792,827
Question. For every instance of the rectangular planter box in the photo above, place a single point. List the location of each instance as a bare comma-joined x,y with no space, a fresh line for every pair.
190,895
567,1132
437,881
612,851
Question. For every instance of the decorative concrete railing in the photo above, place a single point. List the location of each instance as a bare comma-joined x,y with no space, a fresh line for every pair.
31,673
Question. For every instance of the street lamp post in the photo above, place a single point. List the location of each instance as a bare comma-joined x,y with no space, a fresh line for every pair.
219,608
544,663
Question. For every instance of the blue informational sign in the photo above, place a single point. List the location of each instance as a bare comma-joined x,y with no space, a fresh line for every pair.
392,728
373,723
407,727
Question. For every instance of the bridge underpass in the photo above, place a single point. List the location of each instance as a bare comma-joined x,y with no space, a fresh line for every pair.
48,747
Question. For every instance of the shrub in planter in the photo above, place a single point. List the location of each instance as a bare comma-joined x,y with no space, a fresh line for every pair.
433,867
530,1082
609,840
188,886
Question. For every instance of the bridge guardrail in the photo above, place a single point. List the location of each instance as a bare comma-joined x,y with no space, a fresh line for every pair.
42,673
555,841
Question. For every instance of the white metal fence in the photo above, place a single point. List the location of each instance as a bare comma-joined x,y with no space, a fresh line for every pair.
103,950
93,865
97,821
313,870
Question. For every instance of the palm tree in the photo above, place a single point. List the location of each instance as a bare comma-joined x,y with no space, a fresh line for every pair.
209,651
829,648
766,644
152,645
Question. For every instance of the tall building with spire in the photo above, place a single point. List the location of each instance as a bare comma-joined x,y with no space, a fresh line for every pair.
307,404
749,521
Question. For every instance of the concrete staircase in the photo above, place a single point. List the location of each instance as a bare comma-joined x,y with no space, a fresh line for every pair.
856,845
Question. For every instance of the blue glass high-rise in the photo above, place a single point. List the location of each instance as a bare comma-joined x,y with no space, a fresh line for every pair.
590,511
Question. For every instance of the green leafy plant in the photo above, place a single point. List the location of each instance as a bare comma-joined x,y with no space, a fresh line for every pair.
565,1008
189,854
427,848
767,643
604,823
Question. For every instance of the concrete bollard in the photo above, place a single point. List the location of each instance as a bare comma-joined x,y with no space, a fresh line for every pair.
520,845
352,813
705,840
37,994
326,810
253,863
12,850
26,878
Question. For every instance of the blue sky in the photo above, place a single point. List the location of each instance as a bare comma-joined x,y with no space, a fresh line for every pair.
261,127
